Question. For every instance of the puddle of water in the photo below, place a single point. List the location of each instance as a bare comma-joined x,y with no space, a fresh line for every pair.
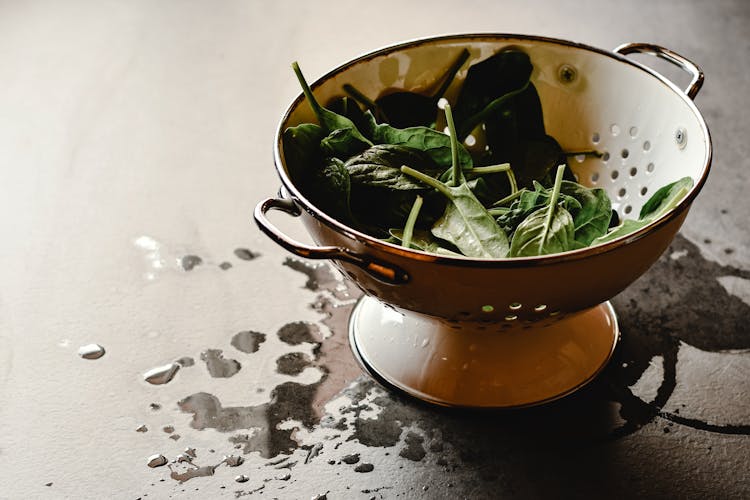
91,351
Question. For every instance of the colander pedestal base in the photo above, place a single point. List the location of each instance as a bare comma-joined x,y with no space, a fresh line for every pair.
473,365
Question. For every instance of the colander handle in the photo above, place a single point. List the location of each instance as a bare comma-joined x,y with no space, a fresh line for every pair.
648,48
382,271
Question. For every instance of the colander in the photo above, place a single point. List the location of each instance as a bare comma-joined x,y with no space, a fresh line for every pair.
510,333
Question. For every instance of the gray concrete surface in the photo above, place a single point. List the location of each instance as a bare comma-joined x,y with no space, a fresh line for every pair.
135,139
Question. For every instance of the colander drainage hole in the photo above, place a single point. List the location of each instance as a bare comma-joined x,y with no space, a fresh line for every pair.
624,153
487,309
605,157
622,192
614,129
627,209
644,190
646,145
595,177
633,131
595,138
650,168
511,317
515,306
540,308
633,172
615,174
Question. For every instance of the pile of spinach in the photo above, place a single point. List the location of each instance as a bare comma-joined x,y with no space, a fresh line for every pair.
413,185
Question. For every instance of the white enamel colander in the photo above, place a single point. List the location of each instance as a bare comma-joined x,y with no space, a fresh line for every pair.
509,333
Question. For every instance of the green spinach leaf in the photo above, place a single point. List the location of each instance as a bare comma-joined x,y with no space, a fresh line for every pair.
330,189
349,138
423,240
380,166
301,149
591,220
548,230
465,222
436,144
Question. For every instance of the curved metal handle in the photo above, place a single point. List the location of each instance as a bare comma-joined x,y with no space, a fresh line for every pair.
648,48
382,271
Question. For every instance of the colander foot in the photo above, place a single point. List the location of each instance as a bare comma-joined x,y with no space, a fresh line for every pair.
474,365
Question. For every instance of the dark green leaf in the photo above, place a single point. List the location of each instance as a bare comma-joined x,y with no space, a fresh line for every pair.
343,143
381,164
489,85
301,149
330,189
592,219
329,120
348,107
436,144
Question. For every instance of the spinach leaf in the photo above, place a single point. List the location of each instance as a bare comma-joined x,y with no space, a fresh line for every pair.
408,109
465,222
380,166
661,202
301,149
592,219
423,240
436,144
330,189
548,230
350,138
489,85
666,198
529,202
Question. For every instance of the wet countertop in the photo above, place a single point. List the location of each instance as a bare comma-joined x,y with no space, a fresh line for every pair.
154,344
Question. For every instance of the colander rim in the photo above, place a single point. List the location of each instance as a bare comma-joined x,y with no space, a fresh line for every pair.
549,259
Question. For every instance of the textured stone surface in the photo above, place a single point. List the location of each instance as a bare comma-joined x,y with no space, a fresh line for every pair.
135,140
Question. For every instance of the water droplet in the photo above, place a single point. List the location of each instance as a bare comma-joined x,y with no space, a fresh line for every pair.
156,461
248,341
245,254
218,367
174,437
364,468
188,262
91,351
184,457
190,451
141,428
242,478
225,265
168,429
161,374
350,459
284,477
233,460
155,406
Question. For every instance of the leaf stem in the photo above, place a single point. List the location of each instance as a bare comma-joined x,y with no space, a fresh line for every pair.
410,222
552,206
498,211
451,74
508,198
589,152
314,104
430,181
490,169
512,181
457,175
358,96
